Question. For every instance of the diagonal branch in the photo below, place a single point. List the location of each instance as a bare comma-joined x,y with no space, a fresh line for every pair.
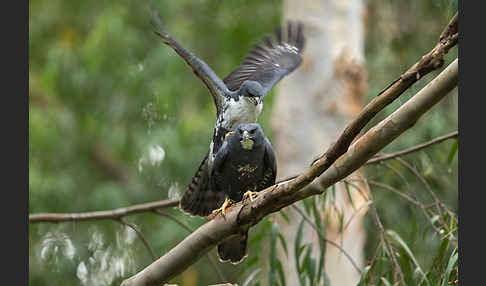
278,196
429,62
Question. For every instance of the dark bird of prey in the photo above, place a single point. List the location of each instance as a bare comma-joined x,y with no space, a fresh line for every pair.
238,97
244,165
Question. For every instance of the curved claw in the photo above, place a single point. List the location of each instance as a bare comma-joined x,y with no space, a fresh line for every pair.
250,194
222,209
228,134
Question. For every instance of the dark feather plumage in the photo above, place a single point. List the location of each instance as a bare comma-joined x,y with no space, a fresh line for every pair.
198,198
237,170
267,63
238,99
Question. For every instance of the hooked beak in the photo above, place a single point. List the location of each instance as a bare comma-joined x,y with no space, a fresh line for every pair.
256,100
247,141
260,99
246,135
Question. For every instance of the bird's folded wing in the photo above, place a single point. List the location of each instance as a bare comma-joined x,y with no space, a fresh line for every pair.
199,198
269,167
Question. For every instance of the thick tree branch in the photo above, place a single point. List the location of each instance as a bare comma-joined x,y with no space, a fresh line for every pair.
276,197
387,130
109,214
429,62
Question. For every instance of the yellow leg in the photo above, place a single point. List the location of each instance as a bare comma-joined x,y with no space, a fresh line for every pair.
228,134
226,204
250,194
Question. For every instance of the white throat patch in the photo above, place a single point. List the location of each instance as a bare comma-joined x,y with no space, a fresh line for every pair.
241,111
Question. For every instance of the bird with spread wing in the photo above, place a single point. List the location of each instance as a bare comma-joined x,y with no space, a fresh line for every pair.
238,98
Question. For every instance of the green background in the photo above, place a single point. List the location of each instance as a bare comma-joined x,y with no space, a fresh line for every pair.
103,89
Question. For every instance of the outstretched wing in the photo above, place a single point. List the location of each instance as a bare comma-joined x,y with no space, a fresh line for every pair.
199,198
200,68
269,62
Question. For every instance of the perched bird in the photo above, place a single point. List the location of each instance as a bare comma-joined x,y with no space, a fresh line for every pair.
238,98
244,165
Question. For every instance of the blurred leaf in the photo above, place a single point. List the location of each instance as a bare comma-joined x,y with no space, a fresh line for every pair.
322,245
348,193
364,276
452,152
307,204
450,266
284,215
283,243
404,245
385,281
281,274
273,255
297,244
251,278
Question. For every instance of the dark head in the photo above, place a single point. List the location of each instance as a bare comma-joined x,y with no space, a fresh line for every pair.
250,135
253,90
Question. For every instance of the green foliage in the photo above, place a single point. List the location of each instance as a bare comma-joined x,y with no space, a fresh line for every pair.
104,92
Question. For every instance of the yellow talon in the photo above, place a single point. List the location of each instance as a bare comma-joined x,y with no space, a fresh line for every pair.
228,134
250,194
222,209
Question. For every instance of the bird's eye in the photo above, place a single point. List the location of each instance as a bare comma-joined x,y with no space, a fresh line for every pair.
252,131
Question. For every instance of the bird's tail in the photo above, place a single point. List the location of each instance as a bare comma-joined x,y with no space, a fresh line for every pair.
199,199
235,249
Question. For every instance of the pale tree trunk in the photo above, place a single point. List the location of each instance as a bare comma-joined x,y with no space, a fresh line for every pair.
311,108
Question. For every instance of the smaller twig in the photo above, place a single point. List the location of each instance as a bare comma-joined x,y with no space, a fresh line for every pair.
401,176
403,195
174,219
321,236
383,157
366,203
140,235
96,215
409,199
438,203
373,260
439,139
417,203
397,271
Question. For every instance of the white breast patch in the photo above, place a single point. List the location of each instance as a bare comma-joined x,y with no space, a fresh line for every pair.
241,111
